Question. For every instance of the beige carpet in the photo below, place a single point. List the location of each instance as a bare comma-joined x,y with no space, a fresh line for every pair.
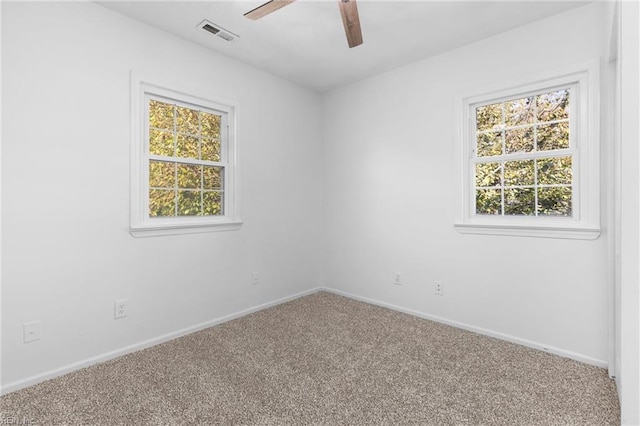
325,359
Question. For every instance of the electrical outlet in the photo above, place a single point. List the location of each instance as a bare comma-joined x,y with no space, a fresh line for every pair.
255,278
31,331
120,308
439,288
397,278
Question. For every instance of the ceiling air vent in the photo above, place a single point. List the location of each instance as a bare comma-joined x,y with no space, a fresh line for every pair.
217,30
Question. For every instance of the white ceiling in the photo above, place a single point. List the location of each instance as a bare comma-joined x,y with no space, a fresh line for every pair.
304,42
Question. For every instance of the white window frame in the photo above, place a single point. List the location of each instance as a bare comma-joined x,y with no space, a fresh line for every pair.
141,224
584,147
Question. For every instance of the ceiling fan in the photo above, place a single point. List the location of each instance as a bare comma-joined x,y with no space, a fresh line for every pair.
348,10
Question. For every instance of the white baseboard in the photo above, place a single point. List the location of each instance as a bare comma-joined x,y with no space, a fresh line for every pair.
524,342
14,386
29,381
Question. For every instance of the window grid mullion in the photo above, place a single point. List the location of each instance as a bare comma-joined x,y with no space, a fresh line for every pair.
175,165
202,190
171,188
535,183
502,188
551,185
520,156
504,152
200,135
535,123
519,126
183,160
535,150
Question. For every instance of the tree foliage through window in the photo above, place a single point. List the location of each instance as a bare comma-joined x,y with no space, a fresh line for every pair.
185,174
522,162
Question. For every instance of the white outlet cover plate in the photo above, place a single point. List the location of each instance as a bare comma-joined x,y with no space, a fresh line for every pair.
31,331
120,308
397,278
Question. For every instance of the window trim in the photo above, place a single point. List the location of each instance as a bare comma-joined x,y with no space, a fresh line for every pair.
141,225
585,99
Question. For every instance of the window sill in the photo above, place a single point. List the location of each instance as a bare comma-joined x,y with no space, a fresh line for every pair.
162,230
529,231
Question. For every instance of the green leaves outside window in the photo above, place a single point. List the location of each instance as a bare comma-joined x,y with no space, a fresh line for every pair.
507,132
183,140
177,189
539,187
523,125
177,131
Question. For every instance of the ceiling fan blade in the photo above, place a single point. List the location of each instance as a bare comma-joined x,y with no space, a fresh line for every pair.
267,8
351,21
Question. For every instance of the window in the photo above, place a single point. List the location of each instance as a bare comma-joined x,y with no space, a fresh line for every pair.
530,159
183,163
523,156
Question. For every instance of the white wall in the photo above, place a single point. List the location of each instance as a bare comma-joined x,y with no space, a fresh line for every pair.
67,252
389,199
628,279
